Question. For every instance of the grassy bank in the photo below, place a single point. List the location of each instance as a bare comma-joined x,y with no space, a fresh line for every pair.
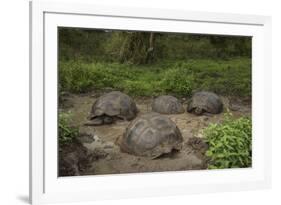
225,77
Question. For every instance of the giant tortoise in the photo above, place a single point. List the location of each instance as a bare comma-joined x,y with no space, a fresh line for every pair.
111,106
167,104
205,102
151,135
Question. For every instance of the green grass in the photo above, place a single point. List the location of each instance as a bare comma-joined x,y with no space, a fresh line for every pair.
230,143
181,78
67,133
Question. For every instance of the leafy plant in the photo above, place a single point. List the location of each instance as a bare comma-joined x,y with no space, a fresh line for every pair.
179,81
66,132
231,77
230,143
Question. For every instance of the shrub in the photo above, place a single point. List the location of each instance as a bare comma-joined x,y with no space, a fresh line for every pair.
181,78
179,81
66,132
75,78
230,143
137,88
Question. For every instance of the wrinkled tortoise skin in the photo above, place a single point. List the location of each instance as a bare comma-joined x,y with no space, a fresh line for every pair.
151,135
202,102
112,106
167,104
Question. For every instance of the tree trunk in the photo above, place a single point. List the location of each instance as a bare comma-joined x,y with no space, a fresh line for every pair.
137,48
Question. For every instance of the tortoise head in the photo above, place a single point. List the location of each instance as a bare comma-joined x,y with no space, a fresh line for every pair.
198,111
107,120
91,116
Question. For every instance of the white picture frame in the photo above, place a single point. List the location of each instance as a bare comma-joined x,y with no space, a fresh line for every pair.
46,186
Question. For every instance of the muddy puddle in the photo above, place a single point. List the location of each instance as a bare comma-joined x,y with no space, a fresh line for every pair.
106,157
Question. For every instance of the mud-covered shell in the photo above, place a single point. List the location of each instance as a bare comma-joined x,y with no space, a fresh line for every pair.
167,104
206,101
151,135
115,104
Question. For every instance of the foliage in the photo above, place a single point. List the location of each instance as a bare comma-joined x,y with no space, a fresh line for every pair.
178,80
132,47
66,132
83,44
226,77
229,143
178,63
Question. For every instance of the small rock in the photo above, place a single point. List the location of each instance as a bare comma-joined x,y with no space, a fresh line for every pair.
86,138
96,138
200,135
108,147
234,107
99,154
108,157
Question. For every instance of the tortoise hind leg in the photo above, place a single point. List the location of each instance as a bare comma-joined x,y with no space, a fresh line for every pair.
95,121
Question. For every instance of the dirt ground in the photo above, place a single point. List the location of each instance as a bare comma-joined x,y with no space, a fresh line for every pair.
105,155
